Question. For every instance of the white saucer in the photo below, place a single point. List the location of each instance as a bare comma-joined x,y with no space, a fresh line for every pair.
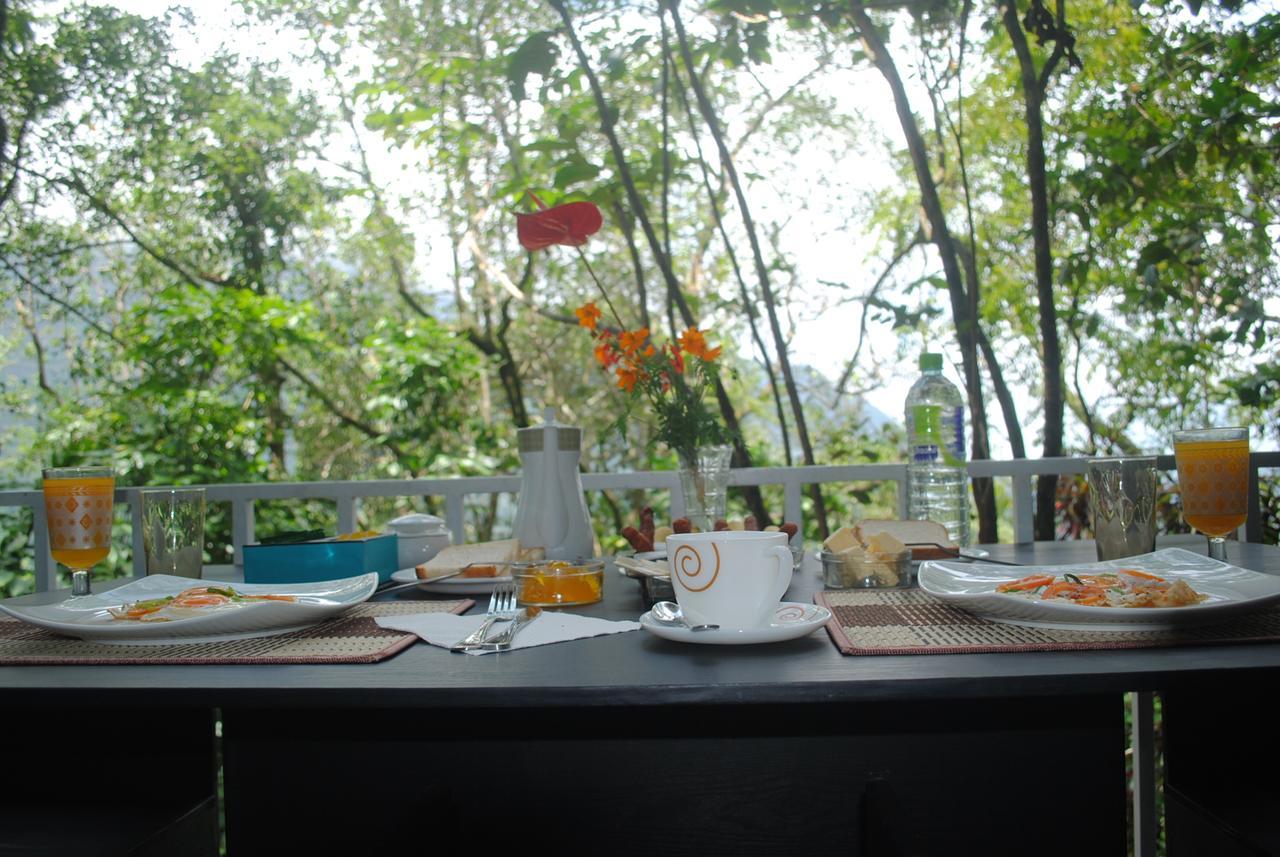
452,586
791,620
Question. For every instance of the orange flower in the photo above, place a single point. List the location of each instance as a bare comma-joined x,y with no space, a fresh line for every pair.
677,360
694,342
631,340
606,354
588,315
627,377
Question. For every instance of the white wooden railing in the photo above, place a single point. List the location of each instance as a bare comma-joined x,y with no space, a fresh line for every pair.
454,492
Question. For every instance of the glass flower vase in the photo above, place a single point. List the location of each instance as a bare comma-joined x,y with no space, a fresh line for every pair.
704,481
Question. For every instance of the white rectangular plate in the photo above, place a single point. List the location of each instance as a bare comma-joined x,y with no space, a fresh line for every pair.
87,617
453,585
1232,591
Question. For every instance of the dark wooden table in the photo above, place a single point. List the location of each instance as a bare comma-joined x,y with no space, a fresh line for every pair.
634,744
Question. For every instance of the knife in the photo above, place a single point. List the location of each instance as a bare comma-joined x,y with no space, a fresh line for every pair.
502,642
421,580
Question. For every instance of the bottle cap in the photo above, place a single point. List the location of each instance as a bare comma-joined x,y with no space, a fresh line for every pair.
930,362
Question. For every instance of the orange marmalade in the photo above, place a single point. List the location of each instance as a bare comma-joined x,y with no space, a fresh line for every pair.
557,583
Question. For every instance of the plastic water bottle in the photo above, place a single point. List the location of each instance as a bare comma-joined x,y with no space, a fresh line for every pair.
937,479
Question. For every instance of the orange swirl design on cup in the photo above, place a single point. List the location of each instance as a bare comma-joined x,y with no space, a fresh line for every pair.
686,563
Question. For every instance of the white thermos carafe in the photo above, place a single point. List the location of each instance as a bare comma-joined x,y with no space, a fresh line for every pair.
552,512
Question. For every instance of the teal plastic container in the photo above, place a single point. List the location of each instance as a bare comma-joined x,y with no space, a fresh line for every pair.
326,560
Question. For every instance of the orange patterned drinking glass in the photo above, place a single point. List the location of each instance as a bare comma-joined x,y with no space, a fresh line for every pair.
77,504
1213,474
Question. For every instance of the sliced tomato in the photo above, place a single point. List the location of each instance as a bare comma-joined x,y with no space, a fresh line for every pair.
1133,572
1033,581
1073,591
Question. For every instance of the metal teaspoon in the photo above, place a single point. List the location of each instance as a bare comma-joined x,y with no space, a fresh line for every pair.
668,613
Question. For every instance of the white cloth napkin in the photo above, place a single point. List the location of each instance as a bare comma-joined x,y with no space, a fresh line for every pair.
445,629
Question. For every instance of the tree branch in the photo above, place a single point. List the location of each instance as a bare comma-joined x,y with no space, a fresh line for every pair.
916,240
1051,347
29,322
675,296
367,429
68,306
940,235
762,272
100,205
748,304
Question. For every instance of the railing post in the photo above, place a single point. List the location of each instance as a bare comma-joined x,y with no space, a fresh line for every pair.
241,528
677,504
45,566
793,500
904,486
1142,735
347,514
1253,524
455,517
134,499
1024,524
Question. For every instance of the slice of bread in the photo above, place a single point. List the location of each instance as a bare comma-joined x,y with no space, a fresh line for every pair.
920,536
456,557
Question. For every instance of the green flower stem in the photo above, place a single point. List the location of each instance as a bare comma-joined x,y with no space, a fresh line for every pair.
600,286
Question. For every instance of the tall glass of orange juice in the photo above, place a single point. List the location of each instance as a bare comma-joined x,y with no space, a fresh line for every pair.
77,504
1213,474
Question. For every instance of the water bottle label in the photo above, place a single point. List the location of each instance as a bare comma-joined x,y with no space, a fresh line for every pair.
953,450
924,453
937,435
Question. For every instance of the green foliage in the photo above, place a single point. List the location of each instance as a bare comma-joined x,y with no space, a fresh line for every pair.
1173,197
536,55
237,299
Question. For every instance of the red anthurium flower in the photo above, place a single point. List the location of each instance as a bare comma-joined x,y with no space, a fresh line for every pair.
570,224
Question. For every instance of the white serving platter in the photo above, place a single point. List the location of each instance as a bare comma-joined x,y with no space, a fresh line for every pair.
1231,591
88,618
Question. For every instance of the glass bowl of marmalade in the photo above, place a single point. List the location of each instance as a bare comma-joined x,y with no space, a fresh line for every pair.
559,582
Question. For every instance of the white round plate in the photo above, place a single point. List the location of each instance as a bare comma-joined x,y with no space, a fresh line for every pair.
87,617
791,620
1231,591
452,586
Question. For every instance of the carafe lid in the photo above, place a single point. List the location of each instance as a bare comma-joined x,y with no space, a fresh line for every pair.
559,436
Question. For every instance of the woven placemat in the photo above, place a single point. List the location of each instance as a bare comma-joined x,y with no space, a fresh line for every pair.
351,638
913,622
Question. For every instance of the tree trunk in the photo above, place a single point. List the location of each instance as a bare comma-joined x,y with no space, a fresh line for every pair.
762,271
1051,348
940,236
741,455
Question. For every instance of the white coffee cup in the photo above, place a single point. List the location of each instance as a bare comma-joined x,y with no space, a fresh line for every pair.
734,579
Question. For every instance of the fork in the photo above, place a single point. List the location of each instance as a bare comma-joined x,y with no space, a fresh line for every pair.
502,608
502,642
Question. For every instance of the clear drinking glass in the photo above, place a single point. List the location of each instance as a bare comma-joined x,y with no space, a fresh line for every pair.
1213,475
704,481
1122,502
78,504
173,530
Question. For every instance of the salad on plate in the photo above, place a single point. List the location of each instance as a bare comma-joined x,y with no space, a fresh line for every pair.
1123,587
197,601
